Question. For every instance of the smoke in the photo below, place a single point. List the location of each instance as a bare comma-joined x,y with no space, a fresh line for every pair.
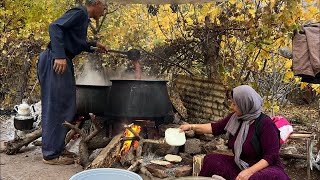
92,75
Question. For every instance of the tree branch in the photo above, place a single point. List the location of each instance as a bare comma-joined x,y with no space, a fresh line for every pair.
156,56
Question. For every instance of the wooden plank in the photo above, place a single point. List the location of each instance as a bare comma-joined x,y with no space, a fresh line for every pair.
296,156
197,164
300,136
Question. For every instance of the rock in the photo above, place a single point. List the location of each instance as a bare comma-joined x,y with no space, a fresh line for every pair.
300,164
222,147
183,171
209,147
157,170
187,159
164,149
192,146
190,134
205,137
290,150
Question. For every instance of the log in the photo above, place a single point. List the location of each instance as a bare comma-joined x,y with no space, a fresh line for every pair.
83,145
109,154
71,134
128,158
153,141
295,156
145,171
12,147
134,167
136,135
97,143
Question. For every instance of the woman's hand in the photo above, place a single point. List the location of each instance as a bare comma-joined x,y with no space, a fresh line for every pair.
185,127
244,175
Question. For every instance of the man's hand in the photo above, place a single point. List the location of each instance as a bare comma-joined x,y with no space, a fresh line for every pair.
101,48
137,68
60,66
244,175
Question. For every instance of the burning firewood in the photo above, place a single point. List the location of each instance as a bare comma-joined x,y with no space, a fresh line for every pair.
108,155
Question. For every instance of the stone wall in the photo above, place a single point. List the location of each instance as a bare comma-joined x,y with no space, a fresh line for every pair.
204,99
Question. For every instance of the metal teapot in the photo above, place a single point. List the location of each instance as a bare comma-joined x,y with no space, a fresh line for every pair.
24,109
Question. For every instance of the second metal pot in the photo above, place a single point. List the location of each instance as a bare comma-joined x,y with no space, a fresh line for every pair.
91,99
138,99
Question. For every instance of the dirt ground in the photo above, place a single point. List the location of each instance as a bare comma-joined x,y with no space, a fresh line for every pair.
28,165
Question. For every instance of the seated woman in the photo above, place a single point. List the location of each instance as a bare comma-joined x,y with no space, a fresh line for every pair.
256,154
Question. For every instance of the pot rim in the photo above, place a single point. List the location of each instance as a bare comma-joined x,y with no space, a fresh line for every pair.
138,80
89,85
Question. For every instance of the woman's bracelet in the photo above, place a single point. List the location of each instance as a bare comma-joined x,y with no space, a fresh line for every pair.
192,127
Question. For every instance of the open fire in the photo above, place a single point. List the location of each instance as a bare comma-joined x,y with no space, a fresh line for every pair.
128,143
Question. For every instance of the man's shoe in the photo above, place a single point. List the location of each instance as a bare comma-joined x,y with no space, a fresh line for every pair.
67,153
61,160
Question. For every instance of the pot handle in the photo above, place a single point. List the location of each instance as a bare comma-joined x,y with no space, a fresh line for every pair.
33,109
16,108
35,118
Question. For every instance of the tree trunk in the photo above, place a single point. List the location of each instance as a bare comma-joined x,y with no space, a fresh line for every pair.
23,83
211,47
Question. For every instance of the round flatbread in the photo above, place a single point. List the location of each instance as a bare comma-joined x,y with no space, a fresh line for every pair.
173,158
160,162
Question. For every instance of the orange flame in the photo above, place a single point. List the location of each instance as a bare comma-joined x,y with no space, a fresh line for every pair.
127,144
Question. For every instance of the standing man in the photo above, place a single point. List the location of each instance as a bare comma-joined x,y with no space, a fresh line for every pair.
68,38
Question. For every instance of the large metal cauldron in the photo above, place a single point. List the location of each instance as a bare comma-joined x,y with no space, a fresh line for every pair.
91,99
138,99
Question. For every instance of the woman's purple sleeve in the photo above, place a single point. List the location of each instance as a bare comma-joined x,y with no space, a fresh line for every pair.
269,140
218,127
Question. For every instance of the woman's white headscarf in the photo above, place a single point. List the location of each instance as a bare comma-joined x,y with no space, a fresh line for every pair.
249,103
